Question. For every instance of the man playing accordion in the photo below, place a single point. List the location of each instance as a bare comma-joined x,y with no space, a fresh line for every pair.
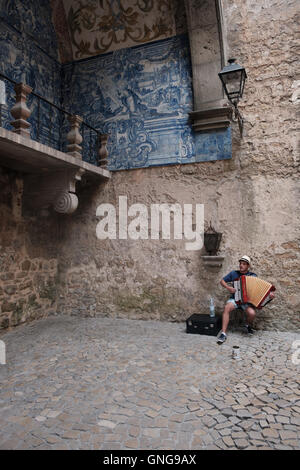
231,304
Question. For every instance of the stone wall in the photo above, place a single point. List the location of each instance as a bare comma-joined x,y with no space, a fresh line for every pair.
58,264
28,258
262,35
28,244
253,199
159,279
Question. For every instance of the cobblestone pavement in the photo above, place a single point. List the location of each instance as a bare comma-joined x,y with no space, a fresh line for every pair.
103,383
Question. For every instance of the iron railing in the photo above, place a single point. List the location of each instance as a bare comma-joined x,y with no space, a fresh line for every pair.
49,123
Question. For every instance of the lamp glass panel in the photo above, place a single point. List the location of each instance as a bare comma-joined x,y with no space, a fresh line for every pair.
232,82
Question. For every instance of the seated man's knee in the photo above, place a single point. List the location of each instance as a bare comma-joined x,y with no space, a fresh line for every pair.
251,312
229,307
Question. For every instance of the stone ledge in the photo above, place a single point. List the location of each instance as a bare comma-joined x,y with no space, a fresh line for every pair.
213,261
28,156
211,118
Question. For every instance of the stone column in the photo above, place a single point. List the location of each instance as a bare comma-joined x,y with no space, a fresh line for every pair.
20,111
74,137
103,153
204,20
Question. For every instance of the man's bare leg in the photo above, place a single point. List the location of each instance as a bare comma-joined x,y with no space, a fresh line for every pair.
225,320
251,313
226,316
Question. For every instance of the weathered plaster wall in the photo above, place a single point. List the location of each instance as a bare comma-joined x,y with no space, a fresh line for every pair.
253,199
28,258
160,279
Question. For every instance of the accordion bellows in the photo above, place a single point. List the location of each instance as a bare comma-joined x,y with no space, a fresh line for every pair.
253,290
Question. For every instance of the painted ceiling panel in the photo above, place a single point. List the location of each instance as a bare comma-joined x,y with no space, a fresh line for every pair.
90,27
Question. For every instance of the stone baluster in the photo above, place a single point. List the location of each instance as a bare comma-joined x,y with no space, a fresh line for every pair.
2,99
103,152
74,137
20,111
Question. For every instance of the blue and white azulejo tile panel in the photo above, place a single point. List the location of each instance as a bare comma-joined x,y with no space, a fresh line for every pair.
213,145
28,54
33,19
142,97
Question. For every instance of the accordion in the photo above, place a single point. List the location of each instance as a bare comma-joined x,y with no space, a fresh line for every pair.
253,290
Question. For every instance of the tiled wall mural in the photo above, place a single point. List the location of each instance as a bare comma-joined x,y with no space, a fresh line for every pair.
28,49
28,53
33,19
139,95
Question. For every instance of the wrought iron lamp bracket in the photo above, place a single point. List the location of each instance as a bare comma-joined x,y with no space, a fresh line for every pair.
237,117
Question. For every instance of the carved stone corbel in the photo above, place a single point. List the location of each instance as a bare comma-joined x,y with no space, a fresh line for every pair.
65,202
55,189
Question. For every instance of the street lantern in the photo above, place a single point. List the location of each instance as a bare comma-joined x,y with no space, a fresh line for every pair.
233,77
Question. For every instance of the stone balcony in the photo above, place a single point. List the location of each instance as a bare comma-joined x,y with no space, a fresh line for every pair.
49,175
28,156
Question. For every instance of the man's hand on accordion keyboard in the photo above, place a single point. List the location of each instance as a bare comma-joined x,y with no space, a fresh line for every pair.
231,289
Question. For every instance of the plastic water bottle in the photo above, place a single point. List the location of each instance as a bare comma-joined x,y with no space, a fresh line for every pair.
211,307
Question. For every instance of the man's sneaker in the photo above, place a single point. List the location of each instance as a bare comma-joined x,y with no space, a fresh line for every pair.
249,330
222,338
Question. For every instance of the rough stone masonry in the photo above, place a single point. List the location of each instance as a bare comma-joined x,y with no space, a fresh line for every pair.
83,383
57,264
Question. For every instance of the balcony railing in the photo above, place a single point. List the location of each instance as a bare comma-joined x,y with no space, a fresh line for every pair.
41,120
